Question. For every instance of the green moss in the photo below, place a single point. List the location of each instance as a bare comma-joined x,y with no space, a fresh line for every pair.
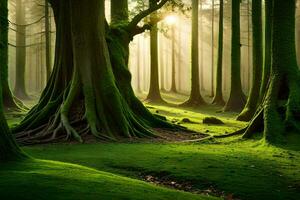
55,180
247,169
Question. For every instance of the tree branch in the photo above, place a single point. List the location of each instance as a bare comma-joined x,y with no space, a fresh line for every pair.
134,22
140,29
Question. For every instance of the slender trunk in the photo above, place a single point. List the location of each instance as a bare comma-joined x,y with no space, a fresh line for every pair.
249,47
48,41
180,57
162,64
201,47
212,46
195,96
236,99
173,84
218,99
257,43
20,88
268,48
138,66
154,91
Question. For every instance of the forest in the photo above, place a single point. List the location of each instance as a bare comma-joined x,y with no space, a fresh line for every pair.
149,99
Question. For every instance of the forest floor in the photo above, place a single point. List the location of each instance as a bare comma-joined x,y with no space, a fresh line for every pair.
225,168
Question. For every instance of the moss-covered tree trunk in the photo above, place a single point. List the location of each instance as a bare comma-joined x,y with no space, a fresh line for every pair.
218,98
89,92
267,49
195,98
257,43
20,88
236,99
9,150
9,101
280,109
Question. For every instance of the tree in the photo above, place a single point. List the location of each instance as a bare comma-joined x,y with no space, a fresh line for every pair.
173,40
218,98
195,98
267,49
9,101
251,105
48,40
9,150
154,91
90,91
20,88
212,46
280,108
236,99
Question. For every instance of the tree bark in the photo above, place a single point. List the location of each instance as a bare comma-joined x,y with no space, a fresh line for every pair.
280,109
212,46
257,44
9,150
218,99
48,41
268,48
89,91
20,86
9,101
236,99
173,83
195,98
154,91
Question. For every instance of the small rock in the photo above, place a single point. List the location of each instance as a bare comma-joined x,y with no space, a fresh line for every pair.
212,120
186,120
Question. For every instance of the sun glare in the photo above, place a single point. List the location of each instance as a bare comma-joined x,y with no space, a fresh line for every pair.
171,19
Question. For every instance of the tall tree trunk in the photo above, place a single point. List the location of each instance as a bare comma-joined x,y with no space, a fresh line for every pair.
257,43
48,41
236,99
89,91
248,75
195,98
279,112
154,91
218,99
267,49
138,67
9,150
173,82
162,63
9,101
201,48
212,46
20,86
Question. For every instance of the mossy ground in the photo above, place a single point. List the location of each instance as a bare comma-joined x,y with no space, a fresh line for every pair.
37,179
247,169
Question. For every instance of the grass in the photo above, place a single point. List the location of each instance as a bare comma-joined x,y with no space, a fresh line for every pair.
43,180
246,169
